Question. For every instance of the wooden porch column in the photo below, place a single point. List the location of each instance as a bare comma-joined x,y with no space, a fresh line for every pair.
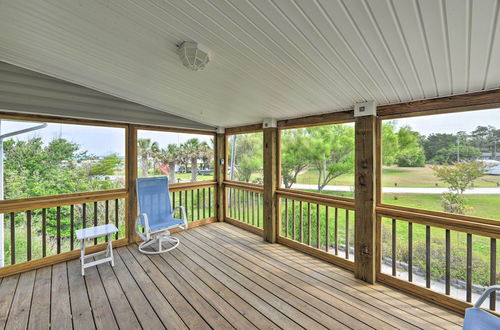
365,193
270,183
131,205
220,153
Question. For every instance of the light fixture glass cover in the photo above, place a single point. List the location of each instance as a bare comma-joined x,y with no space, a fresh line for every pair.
193,56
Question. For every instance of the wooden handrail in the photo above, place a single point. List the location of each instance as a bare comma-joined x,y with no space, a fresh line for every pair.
440,214
244,186
306,196
174,187
19,205
466,226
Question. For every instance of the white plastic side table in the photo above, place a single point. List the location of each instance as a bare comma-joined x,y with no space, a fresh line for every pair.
95,232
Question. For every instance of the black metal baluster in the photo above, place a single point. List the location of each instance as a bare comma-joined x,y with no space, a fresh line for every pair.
393,247
469,268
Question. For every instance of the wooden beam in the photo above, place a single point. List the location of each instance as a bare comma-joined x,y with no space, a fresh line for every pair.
244,129
220,151
464,102
271,226
365,199
314,120
131,177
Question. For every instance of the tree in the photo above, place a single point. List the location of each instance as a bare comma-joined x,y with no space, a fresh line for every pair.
106,166
207,154
146,150
486,138
410,152
294,155
167,159
450,155
248,155
193,149
390,147
459,177
435,143
332,151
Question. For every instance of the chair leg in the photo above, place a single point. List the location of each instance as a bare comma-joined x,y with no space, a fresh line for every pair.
82,256
110,251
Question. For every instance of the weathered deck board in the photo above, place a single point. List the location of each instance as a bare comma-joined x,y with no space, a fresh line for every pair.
60,308
40,317
19,312
219,277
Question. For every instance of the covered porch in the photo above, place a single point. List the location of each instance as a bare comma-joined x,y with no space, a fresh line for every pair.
337,161
220,277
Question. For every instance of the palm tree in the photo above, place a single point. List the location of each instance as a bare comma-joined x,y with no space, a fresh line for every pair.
167,159
192,148
207,154
146,149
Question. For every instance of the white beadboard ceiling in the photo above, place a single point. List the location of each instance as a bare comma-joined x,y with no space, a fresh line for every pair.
270,58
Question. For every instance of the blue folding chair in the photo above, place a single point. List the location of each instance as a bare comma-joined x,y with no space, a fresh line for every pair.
156,215
477,318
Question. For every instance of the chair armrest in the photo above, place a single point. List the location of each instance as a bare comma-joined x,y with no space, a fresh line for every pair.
146,226
184,216
485,295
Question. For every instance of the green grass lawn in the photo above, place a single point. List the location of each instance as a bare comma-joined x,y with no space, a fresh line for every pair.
484,206
402,176
187,177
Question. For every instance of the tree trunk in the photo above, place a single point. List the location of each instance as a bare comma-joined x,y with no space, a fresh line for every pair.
171,172
194,169
144,165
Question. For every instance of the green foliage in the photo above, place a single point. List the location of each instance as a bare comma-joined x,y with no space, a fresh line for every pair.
390,147
411,152
402,147
248,155
106,166
435,143
460,176
458,256
294,154
455,203
145,151
33,169
157,161
331,151
451,154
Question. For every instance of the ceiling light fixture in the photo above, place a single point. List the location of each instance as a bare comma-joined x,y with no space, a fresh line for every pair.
193,56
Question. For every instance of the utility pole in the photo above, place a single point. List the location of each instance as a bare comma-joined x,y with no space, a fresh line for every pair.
2,137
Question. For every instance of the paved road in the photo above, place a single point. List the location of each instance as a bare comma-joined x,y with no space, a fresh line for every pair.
404,190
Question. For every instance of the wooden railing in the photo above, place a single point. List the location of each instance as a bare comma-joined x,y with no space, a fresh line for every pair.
441,257
318,224
41,230
244,205
199,199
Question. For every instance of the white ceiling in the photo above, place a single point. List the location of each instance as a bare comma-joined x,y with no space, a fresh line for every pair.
271,58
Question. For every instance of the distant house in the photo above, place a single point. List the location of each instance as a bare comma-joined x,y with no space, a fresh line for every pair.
495,170
489,156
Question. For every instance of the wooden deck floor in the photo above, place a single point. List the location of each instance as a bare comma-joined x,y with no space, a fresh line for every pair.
220,277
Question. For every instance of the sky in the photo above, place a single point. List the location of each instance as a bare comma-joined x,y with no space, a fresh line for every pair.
452,122
99,141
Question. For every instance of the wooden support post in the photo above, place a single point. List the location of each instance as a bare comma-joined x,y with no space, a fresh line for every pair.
271,226
220,153
365,199
131,203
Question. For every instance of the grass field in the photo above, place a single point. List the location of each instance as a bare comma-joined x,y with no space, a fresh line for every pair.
400,176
